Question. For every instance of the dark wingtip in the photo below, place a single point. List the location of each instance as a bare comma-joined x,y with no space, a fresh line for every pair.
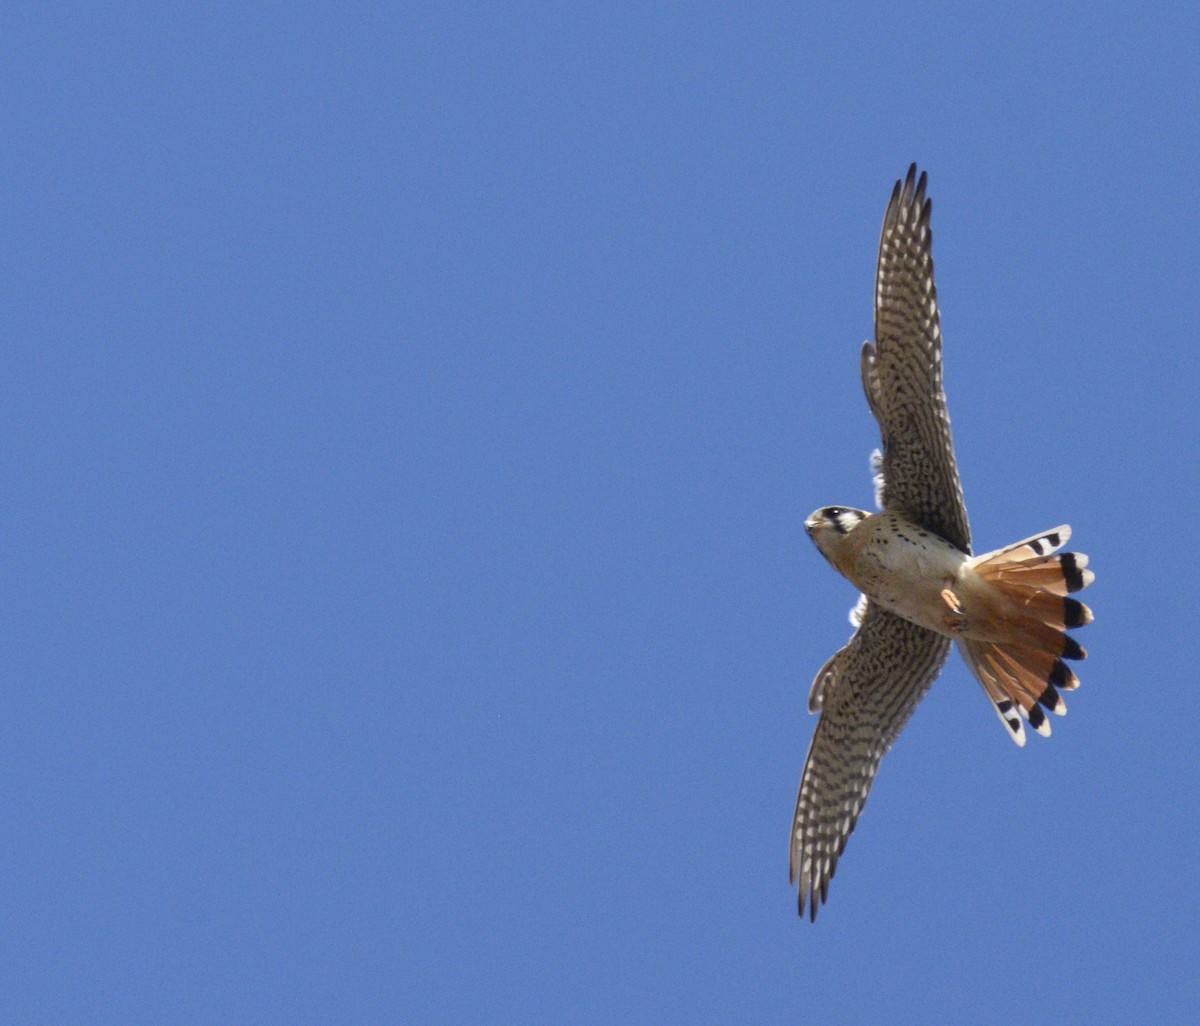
1072,649
906,194
811,897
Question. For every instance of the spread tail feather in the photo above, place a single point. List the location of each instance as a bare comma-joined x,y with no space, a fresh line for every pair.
1024,671
1032,563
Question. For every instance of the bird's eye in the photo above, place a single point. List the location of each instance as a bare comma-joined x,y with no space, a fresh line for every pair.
834,511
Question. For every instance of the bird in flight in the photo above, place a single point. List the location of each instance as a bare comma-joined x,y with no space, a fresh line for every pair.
1007,611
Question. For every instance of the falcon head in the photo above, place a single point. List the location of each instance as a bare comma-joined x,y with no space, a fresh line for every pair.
830,524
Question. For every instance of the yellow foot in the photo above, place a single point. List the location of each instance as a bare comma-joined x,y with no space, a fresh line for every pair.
955,621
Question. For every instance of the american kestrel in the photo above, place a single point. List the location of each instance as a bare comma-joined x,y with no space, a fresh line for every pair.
921,587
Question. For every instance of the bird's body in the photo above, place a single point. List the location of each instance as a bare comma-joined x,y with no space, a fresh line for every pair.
1007,611
898,565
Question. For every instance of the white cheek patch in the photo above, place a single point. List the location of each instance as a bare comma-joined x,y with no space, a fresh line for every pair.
847,521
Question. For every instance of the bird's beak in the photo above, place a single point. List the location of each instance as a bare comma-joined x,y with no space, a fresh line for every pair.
811,524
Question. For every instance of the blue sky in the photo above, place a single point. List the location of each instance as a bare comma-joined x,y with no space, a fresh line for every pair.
408,422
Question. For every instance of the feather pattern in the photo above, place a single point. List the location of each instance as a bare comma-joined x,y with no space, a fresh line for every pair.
866,694
902,373
1030,580
1008,610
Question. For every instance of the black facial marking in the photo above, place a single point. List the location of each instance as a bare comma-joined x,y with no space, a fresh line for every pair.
842,518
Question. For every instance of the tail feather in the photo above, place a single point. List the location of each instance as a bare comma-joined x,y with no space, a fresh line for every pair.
1015,682
1056,610
1060,575
1039,545
1027,631
1023,688
995,693
1023,670
1033,563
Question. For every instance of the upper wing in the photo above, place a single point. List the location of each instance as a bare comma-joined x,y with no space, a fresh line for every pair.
902,373
866,692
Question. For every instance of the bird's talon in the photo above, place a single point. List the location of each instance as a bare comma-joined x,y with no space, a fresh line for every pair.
956,622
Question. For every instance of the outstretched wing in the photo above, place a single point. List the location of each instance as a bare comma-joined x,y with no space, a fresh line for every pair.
866,693
902,373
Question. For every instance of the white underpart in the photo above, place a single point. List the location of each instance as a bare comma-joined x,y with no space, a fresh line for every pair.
877,477
905,569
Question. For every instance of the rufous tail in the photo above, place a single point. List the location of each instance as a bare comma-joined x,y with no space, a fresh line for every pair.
1031,585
